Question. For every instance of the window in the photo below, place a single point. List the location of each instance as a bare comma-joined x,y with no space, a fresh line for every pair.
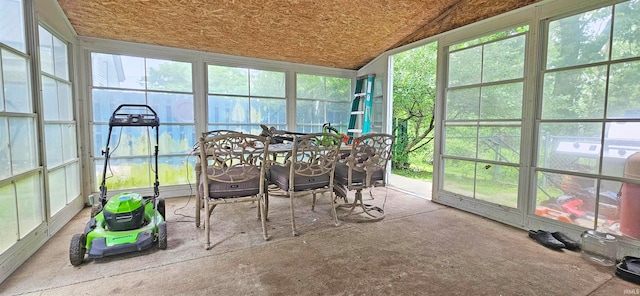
59,122
589,122
320,100
12,32
165,86
241,99
377,110
21,206
483,117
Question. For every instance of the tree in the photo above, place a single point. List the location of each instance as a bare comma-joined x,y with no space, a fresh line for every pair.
414,91
173,76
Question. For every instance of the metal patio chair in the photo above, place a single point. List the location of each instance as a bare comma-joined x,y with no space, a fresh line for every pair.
197,168
235,166
365,167
308,170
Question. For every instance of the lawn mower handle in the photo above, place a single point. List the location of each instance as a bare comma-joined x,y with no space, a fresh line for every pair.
138,119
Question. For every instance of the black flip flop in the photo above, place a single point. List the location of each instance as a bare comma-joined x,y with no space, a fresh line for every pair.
569,244
629,269
546,239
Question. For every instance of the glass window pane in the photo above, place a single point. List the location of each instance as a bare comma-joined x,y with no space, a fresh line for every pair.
117,71
465,66
310,112
622,140
228,80
46,50
23,144
172,108
125,141
489,38
100,132
176,138
502,101
8,218
60,58
504,59
53,136
50,98
125,173
228,110
574,94
571,146
499,143
12,30
377,110
339,89
106,101
29,204
310,86
459,177
460,141
267,83
2,101
64,100
176,170
609,206
308,128
377,115
497,184
463,104
114,71
338,114
572,199
15,74
331,104
169,75
70,148
5,156
268,111
238,128
626,30
57,190
73,181
624,90
580,39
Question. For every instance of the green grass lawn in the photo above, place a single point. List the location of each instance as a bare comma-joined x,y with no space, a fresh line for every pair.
418,172
489,188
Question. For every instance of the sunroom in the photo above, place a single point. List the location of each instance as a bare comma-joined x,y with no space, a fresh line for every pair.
536,112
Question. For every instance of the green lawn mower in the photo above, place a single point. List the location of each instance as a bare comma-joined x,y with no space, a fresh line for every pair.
128,221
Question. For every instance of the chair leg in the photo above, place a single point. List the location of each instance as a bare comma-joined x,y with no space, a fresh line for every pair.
293,218
198,209
207,225
333,208
372,213
263,216
266,204
368,209
199,201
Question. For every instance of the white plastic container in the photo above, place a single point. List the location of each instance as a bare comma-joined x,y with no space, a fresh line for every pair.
599,247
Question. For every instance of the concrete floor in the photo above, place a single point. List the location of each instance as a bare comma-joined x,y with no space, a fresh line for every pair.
415,187
420,248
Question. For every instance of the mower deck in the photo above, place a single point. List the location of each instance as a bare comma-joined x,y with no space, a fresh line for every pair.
107,243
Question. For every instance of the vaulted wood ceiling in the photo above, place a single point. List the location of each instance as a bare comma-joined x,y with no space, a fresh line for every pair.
343,34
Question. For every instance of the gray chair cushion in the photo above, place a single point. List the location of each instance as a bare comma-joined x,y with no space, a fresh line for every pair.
249,185
342,175
279,175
